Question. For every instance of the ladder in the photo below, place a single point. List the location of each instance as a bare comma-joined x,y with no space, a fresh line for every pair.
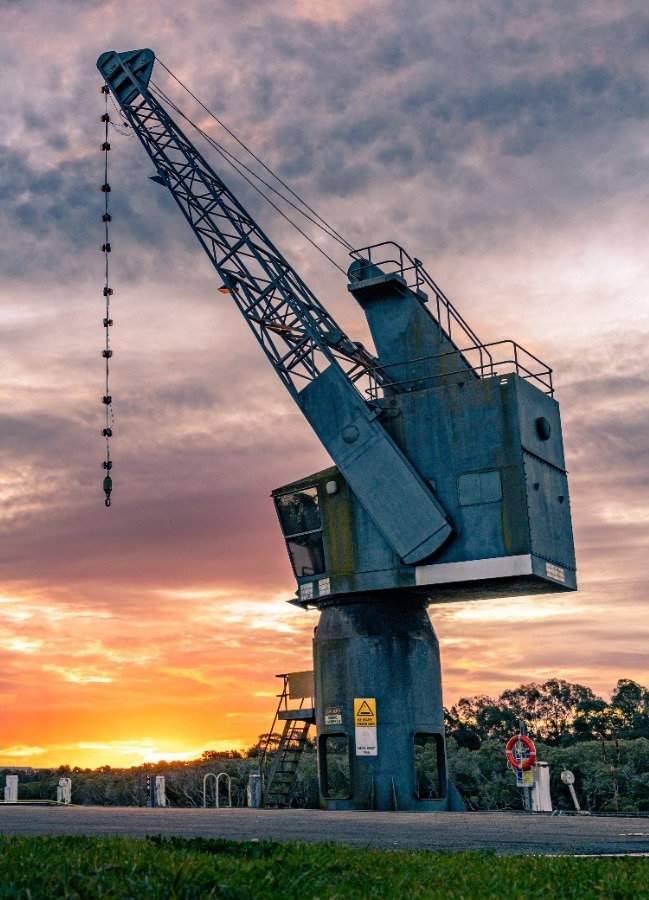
281,776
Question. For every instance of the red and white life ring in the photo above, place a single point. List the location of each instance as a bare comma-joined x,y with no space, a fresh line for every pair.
521,764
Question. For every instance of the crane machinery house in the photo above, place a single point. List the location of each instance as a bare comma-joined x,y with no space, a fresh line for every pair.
448,480
486,439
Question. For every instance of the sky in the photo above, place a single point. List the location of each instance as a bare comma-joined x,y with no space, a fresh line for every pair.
502,143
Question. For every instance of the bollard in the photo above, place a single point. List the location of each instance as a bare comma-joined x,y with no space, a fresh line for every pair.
11,789
253,790
160,794
541,799
64,791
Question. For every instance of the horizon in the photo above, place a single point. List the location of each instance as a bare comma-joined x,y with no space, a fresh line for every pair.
185,757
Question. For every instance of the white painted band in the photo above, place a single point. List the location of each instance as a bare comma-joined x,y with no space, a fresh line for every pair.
474,569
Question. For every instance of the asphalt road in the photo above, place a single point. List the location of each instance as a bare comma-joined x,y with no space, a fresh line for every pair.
503,832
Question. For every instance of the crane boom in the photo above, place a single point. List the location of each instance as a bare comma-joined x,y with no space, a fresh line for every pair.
316,361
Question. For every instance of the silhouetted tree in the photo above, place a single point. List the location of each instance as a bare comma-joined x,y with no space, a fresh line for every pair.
477,719
556,712
592,717
630,709
550,708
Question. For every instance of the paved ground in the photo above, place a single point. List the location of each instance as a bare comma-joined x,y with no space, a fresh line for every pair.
502,832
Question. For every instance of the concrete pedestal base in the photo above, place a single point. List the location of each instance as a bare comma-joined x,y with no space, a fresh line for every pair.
385,653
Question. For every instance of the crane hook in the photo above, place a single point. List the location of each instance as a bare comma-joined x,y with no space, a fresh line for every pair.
108,487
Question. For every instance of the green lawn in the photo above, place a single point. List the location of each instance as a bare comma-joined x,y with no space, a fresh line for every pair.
88,867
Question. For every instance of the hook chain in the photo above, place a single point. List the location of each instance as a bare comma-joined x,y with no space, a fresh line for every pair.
106,218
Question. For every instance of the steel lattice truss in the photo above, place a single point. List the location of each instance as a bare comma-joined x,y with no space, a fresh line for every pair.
298,335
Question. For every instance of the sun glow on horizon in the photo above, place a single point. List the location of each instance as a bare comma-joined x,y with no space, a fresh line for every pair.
116,754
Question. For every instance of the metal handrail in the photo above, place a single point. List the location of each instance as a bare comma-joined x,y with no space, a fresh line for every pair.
263,750
415,275
520,359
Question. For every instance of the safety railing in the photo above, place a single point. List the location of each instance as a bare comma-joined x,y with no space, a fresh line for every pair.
394,260
510,358
486,360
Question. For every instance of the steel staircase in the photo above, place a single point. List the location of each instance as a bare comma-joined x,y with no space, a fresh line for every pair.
282,771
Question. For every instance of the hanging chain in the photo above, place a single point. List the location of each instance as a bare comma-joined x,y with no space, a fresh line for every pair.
106,218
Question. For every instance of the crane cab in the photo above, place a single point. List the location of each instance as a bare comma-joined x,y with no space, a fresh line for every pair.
486,440
495,461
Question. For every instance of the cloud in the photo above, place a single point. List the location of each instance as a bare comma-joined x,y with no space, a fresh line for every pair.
504,145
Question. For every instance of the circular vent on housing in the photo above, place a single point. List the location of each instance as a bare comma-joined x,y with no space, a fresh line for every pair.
543,428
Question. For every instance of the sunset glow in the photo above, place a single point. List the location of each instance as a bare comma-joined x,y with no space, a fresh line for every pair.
506,148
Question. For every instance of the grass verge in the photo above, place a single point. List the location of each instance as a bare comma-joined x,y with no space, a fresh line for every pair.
170,868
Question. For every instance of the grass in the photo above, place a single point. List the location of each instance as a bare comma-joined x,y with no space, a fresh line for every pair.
175,868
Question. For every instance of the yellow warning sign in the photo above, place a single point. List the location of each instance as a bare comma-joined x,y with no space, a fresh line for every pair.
365,712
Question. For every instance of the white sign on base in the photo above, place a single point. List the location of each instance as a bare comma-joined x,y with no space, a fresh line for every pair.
365,726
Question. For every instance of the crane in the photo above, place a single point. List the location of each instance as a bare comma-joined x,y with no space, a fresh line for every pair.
448,482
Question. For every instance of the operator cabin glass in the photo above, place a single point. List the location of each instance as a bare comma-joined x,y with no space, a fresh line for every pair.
299,517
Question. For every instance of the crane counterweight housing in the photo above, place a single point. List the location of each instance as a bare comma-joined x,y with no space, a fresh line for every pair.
487,440
448,482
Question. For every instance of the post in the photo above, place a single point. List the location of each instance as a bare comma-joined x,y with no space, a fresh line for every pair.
150,789
11,789
64,791
527,791
160,794
253,790
541,797
571,788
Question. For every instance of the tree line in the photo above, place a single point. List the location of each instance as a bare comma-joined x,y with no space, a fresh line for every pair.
605,745
557,713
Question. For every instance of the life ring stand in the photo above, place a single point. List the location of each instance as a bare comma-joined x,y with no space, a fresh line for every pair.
522,764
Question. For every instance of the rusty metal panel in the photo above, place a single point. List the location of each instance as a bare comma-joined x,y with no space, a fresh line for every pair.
300,685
